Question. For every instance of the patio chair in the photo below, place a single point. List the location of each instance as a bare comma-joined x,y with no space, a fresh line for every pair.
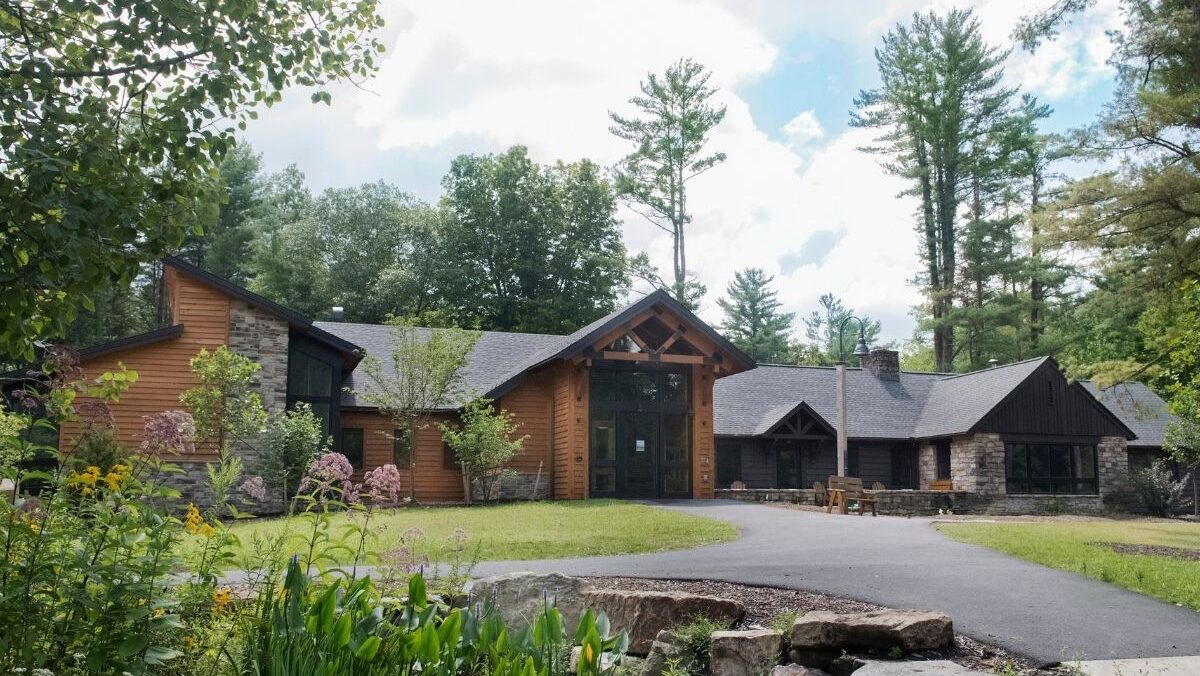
878,486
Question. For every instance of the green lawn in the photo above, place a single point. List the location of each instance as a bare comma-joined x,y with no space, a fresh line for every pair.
1079,546
535,530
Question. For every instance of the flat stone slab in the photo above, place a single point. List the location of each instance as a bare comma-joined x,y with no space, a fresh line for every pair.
643,614
908,629
1150,666
927,668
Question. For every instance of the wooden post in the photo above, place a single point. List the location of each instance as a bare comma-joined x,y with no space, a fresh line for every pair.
841,418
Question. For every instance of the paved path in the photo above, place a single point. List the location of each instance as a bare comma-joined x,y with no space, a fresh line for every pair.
1047,615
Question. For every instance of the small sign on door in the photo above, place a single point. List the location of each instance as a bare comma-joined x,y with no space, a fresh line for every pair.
640,445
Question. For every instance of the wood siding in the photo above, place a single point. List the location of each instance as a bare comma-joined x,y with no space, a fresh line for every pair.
704,465
162,368
434,482
1030,409
532,404
569,437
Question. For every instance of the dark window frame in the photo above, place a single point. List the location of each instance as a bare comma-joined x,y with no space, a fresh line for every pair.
346,447
301,348
1050,482
943,453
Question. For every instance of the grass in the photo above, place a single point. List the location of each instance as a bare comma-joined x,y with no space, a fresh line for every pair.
519,531
1078,546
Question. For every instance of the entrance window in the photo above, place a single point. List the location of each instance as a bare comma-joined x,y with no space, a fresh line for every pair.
1051,468
640,431
314,378
943,458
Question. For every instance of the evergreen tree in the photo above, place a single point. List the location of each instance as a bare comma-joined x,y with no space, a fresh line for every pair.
675,118
225,247
940,108
753,321
821,329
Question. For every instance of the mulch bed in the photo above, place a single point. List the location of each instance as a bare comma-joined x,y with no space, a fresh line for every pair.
1152,550
764,603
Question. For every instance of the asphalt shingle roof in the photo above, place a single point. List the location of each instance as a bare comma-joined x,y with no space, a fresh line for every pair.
494,359
956,403
1138,407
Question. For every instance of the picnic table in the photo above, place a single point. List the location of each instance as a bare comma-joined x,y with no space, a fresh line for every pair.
844,490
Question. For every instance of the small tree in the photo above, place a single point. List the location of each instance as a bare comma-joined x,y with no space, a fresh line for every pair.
752,317
227,412
293,440
423,375
484,443
1157,487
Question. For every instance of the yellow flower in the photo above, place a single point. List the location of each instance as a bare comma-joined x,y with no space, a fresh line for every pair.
192,521
221,598
588,652
207,530
113,480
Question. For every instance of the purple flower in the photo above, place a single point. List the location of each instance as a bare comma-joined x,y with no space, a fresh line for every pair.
256,488
330,474
169,431
383,485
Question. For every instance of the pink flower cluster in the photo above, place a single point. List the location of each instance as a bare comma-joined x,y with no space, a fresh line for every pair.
170,432
255,488
382,485
328,476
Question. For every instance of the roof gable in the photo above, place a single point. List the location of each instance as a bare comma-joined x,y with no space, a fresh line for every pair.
1046,403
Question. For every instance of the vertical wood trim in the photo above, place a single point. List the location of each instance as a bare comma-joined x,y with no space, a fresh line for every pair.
703,455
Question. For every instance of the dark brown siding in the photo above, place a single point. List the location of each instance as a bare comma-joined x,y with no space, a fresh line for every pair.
1046,404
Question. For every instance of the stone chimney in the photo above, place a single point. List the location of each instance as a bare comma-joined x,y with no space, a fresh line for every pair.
883,364
336,313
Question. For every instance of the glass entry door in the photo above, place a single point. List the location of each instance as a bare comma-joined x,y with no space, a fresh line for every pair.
640,432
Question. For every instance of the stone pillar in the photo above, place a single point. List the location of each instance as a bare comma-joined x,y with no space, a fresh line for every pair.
926,465
1112,465
977,463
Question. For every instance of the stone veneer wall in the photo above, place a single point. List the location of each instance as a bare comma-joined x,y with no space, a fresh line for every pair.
977,463
926,465
519,486
1112,458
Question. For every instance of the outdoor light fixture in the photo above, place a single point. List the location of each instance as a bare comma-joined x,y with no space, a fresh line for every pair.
860,350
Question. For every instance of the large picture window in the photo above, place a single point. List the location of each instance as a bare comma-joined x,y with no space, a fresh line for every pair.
314,378
1051,468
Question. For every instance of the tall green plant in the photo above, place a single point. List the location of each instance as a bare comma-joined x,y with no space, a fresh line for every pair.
292,441
484,442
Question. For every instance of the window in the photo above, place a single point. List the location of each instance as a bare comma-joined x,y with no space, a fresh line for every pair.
400,449
943,458
1059,469
449,458
352,445
729,463
312,379
1050,392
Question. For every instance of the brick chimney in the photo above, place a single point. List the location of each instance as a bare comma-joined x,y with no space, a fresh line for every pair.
883,364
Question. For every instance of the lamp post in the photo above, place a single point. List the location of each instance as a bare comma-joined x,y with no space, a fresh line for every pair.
860,350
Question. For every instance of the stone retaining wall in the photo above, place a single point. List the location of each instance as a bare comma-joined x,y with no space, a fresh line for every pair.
931,503
519,486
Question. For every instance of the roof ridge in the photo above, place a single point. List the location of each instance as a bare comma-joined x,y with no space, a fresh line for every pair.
853,368
328,322
998,366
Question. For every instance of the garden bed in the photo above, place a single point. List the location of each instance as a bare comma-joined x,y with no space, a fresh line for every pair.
765,604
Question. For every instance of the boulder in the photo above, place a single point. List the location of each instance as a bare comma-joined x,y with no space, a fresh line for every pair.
908,629
743,653
663,649
927,668
643,614
814,658
518,597
845,665
796,670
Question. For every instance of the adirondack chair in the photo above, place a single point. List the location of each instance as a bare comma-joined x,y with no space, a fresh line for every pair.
878,486
844,490
941,485
819,495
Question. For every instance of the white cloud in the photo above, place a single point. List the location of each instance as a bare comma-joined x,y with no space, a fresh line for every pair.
478,76
803,129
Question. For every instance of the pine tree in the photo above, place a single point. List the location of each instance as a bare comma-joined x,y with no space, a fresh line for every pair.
753,321
669,136
821,329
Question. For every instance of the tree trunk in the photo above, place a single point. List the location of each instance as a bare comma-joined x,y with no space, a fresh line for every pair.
1036,293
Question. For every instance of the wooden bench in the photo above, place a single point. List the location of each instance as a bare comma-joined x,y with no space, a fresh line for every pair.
941,485
844,490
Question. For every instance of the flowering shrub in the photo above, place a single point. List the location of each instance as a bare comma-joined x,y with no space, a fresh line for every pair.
330,477
382,485
255,488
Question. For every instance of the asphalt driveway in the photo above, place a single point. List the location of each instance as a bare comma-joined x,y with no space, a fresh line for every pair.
1044,614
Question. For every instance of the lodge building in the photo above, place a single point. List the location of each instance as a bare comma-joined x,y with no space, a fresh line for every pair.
651,402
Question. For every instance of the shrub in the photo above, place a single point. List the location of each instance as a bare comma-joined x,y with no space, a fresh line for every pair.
292,441
694,639
1157,488
484,443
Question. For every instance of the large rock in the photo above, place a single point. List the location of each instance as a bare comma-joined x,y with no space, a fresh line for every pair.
518,597
662,650
814,658
929,668
908,629
743,653
643,614
796,670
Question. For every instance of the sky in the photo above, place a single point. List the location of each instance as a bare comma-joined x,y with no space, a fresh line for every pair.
796,196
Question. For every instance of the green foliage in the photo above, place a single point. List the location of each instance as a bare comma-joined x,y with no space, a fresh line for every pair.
783,621
669,135
223,248
694,639
753,321
821,329
292,440
113,120
1157,488
526,247
422,375
98,445
224,404
484,441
